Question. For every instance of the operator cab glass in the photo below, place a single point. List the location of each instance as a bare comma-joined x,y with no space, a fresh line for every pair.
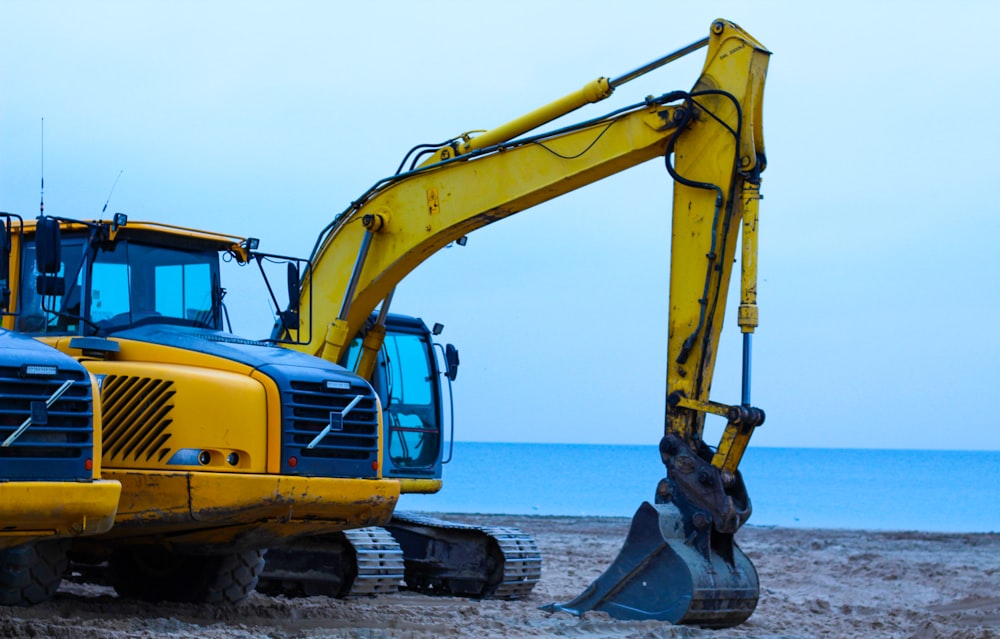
119,286
56,310
406,380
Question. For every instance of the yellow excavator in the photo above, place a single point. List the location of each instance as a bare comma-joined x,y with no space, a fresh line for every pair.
680,562
50,464
222,446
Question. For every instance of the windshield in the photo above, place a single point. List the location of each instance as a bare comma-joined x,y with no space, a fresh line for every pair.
137,284
128,284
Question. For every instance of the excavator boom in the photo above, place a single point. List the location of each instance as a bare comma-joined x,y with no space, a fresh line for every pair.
404,219
680,562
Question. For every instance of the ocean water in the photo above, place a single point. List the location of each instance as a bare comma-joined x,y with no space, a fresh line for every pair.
935,491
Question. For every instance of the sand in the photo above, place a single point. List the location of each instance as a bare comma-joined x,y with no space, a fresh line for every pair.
814,583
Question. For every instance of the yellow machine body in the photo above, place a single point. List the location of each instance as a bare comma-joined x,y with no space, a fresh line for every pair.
195,438
43,507
712,140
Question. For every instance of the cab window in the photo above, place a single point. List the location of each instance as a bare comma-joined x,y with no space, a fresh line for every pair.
137,283
407,386
414,437
56,310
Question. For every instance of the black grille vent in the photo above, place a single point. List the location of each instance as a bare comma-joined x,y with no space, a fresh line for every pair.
355,438
136,417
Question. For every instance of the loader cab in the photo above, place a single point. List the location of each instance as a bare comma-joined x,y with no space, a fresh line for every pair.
142,303
409,380
76,285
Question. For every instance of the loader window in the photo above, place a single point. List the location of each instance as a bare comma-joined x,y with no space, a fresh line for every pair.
56,310
134,284
184,290
109,295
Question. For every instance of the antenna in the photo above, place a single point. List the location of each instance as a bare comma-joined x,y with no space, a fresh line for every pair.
41,204
111,191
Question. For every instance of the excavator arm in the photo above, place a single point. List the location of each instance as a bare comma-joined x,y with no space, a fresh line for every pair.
415,215
680,562
404,219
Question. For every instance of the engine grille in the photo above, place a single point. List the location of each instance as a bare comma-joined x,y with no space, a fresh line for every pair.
136,418
60,437
353,443
138,422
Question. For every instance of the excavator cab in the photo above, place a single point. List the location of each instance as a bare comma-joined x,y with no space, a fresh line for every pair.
410,379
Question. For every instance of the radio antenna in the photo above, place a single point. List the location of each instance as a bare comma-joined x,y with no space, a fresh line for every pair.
111,191
41,204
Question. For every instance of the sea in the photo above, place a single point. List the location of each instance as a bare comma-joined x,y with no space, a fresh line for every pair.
858,489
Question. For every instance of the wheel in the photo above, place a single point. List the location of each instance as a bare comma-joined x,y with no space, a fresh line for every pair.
153,573
31,573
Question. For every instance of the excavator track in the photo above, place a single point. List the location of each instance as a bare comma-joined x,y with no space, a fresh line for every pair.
522,562
379,561
353,563
450,558
430,555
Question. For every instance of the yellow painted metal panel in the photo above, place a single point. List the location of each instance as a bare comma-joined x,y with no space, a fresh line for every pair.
153,412
54,508
420,485
211,507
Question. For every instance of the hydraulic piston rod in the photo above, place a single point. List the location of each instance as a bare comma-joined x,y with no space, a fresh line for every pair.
659,62
747,316
359,263
593,91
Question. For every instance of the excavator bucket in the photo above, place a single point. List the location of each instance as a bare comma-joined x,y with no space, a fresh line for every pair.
668,574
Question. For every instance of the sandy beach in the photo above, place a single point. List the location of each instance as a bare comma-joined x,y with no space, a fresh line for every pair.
814,583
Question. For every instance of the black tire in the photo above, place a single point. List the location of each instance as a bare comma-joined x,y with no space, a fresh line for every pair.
31,573
152,573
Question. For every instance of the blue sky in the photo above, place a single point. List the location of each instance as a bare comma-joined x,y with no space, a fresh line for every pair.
879,266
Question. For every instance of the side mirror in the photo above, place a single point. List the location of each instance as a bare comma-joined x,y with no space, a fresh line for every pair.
290,318
451,361
48,257
293,286
48,245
